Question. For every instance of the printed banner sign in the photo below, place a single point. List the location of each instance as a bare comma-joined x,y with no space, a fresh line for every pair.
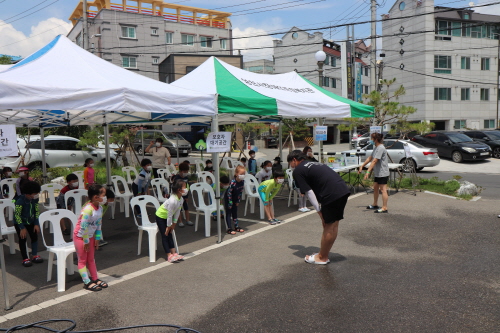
320,133
375,129
8,140
219,142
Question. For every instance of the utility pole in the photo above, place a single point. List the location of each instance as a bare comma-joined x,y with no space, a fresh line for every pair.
373,51
85,30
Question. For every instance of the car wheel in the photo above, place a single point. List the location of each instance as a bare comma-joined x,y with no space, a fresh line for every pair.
457,157
408,164
496,152
139,150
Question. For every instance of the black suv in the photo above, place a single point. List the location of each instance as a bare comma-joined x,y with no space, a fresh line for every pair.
491,138
455,145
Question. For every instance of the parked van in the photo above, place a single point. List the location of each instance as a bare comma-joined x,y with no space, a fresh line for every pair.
170,141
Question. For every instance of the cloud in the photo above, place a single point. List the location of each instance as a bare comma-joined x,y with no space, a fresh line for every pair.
16,43
491,10
254,43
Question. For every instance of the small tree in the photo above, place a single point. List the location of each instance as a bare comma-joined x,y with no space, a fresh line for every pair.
388,111
298,127
5,60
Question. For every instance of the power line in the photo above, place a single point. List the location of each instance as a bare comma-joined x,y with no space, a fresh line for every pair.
50,4
302,4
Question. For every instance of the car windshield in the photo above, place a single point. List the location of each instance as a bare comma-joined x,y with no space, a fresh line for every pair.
457,138
494,135
173,136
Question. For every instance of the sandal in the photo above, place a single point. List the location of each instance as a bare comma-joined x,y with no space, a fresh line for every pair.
238,229
178,257
37,259
27,263
381,211
231,232
372,207
100,283
272,222
95,287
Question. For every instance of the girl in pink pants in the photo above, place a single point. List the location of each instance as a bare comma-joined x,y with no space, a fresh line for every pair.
87,235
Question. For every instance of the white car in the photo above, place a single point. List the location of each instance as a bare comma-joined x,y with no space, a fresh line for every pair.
60,151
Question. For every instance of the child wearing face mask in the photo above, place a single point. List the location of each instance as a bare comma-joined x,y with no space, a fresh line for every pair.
141,183
72,184
267,191
87,235
252,163
24,177
232,198
209,166
167,216
26,221
266,172
6,174
183,175
88,173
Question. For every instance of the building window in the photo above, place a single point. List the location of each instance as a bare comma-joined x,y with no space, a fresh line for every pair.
489,123
442,94
223,44
169,37
129,62
128,32
443,28
459,124
333,62
326,81
334,83
156,61
187,40
485,64
485,94
442,64
327,60
465,94
367,90
465,62
206,42
189,69
154,31
466,16
366,71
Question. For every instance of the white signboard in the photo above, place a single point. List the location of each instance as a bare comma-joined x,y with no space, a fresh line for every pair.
320,133
375,129
8,140
219,142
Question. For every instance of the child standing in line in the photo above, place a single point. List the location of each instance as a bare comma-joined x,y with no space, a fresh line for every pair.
277,165
141,183
88,173
24,177
26,221
167,216
266,172
267,191
252,163
184,176
72,184
209,166
243,161
232,198
87,235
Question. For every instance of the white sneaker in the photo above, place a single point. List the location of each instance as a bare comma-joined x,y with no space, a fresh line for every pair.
306,210
189,223
181,225
301,209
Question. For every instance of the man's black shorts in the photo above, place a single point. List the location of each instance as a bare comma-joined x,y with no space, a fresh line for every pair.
334,211
381,180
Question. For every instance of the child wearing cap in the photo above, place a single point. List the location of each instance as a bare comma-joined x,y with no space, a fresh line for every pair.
277,165
24,177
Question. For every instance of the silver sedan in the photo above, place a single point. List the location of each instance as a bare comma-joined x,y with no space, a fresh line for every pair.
421,157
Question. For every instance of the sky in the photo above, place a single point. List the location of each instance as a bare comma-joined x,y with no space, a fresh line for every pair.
27,25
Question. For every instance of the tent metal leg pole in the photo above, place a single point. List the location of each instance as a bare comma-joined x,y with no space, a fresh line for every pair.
142,143
108,158
177,146
4,277
320,143
280,133
215,157
44,164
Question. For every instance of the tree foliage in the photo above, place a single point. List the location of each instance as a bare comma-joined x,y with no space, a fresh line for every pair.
298,127
5,60
388,111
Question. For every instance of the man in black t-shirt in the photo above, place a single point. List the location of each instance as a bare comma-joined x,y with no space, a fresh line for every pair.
323,186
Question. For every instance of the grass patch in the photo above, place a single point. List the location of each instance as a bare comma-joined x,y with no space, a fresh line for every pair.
434,184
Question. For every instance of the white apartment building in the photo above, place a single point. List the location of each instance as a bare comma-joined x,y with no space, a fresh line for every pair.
447,60
139,35
260,66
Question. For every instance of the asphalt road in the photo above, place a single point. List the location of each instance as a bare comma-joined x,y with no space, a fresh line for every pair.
430,265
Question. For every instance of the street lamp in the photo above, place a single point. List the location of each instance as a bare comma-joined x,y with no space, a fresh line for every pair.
320,58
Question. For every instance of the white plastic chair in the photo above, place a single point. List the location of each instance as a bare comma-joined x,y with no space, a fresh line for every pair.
159,185
289,173
78,195
124,197
11,183
259,162
50,190
79,174
6,230
128,170
200,167
200,205
204,175
251,190
150,227
62,249
165,174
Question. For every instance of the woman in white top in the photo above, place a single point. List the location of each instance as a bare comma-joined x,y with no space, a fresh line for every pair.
266,172
161,155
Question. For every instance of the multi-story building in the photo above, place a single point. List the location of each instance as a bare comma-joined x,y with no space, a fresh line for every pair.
261,66
140,36
447,60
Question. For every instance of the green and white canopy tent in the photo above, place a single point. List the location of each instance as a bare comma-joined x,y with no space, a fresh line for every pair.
284,95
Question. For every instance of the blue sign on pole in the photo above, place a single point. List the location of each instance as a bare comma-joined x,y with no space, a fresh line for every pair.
320,133
359,86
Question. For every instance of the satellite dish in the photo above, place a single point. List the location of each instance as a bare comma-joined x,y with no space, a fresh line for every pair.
471,4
